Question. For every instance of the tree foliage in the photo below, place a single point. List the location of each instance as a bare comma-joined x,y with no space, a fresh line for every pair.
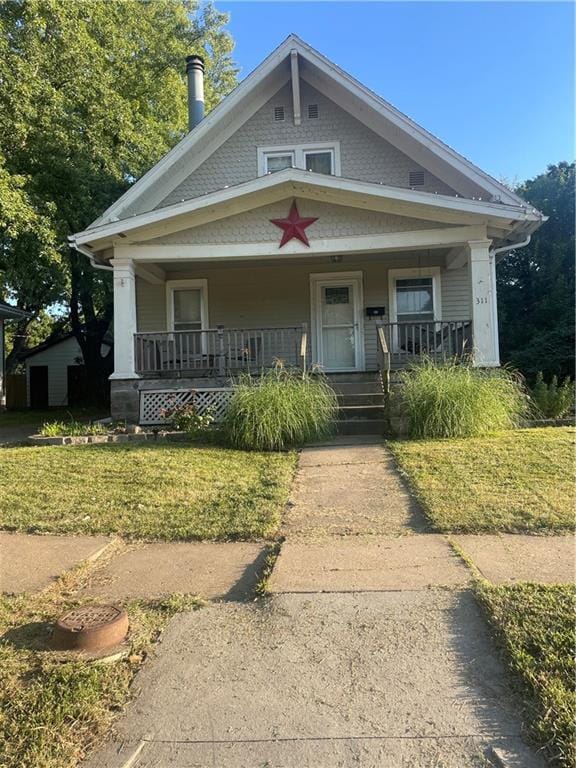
536,286
93,94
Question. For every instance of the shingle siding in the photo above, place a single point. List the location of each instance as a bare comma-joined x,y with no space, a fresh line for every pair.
333,221
364,155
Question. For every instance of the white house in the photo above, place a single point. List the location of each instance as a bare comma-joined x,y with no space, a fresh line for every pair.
304,218
55,373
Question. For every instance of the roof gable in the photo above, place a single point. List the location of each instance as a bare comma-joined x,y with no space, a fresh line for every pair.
328,79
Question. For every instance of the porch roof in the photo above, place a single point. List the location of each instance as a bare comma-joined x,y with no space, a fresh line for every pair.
505,223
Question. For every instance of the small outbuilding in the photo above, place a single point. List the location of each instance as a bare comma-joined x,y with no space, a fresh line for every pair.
55,373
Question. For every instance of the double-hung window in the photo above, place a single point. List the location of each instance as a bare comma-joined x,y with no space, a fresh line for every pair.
317,158
414,299
187,305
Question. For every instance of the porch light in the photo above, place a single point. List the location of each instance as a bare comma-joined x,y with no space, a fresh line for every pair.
336,258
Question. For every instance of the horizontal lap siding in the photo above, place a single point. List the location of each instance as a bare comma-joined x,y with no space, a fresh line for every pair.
57,358
279,295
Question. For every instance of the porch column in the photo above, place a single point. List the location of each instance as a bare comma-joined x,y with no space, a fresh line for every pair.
124,318
484,313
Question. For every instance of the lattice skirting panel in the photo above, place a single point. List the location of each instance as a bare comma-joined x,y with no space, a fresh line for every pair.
152,401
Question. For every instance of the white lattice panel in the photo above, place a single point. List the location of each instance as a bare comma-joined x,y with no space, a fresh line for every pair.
152,401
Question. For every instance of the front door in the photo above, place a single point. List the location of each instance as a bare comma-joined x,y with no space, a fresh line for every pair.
338,317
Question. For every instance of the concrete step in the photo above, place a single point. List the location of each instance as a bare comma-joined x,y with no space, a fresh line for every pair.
365,412
337,378
357,388
361,398
362,426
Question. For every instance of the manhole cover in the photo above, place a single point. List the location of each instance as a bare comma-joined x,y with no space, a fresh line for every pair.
90,628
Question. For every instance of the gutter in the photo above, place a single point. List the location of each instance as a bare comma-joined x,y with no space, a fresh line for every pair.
86,252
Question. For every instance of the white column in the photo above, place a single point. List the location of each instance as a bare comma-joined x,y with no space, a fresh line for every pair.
124,319
484,315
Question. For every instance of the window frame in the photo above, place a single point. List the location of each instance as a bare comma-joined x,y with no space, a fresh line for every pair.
299,152
414,272
183,285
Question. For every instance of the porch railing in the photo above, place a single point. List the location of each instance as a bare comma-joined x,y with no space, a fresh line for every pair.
440,340
219,351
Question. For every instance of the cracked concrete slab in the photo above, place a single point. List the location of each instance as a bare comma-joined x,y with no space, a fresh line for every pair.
29,563
343,490
382,563
375,679
210,570
507,558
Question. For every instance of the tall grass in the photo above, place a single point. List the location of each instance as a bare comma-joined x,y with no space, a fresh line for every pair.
457,400
280,409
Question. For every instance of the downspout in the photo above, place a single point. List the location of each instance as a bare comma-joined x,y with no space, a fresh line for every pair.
495,252
86,252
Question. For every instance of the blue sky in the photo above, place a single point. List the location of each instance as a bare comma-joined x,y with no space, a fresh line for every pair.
495,80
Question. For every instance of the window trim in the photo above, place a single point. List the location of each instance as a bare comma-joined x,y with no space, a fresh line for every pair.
403,274
179,285
299,151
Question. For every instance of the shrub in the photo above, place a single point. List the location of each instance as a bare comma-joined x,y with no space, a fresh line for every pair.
553,401
71,428
281,409
457,400
187,418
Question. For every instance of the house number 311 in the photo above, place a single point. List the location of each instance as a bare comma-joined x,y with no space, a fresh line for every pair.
481,300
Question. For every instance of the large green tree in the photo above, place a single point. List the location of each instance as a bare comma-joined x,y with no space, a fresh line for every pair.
536,283
92,95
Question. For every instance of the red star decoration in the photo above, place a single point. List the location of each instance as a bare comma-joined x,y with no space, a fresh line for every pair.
294,226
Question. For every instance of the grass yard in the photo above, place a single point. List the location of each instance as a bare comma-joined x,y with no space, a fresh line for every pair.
27,417
515,481
144,491
535,625
54,712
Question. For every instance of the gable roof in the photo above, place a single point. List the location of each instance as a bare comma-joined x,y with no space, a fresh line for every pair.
54,342
513,220
277,69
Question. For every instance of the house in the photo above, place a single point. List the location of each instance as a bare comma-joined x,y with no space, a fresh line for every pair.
55,373
306,219
7,312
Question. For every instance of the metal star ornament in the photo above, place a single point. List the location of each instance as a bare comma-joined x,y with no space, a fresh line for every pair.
294,226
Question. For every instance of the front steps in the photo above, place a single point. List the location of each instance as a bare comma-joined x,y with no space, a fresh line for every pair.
361,403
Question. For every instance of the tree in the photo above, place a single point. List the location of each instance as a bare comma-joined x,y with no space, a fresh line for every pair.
93,94
536,285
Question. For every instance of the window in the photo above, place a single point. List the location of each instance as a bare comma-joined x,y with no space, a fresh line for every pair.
319,162
187,305
414,299
277,161
317,158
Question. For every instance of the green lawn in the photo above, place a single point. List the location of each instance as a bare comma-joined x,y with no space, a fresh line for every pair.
55,711
516,481
144,491
535,624
28,417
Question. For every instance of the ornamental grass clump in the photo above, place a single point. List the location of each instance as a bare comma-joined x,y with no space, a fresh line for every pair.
279,410
71,428
457,400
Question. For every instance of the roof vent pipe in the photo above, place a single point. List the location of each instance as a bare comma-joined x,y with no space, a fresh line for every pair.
195,75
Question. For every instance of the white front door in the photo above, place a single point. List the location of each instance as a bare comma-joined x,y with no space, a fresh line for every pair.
337,309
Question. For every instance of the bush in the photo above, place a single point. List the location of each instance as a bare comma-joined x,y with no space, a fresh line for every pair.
71,428
553,401
457,400
279,410
187,418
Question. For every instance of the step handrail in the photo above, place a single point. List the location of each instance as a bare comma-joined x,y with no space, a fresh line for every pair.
384,360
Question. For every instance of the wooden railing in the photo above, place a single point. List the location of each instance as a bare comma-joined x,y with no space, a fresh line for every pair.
220,351
438,340
383,353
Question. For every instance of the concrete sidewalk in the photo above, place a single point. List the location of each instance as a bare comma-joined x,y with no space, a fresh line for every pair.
379,680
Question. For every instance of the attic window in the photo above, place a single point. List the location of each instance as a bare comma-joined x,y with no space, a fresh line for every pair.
279,114
312,111
416,179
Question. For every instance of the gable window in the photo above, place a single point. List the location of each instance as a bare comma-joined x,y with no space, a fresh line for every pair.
277,161
187,305
317,158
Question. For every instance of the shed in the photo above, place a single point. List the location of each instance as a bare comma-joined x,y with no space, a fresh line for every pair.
55,373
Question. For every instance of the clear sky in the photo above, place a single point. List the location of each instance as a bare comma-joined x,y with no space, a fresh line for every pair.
494,80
